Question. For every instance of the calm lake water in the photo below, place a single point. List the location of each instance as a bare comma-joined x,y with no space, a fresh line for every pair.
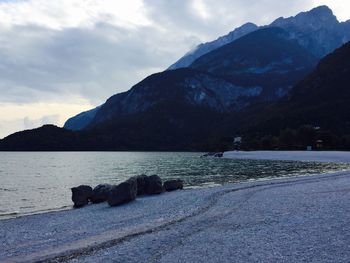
41,181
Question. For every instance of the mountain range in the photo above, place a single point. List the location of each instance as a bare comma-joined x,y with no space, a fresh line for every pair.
317,30
256,78
256,51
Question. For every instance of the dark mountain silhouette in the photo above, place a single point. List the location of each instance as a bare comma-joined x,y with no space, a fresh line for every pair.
322,100
318,31
267,58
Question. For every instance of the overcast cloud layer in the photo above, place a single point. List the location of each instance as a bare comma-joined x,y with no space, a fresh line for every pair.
59,58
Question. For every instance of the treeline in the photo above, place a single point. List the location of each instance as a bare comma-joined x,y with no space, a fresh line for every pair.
287,139
298,139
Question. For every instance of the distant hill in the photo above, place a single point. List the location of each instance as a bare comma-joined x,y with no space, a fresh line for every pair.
46,138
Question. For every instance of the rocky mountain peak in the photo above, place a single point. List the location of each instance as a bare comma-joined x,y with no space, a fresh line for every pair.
317,18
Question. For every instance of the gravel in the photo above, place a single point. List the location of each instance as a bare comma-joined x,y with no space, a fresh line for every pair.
304,219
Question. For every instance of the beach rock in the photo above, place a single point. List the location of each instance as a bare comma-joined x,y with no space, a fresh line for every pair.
100,193
133,185
141,184
81,195
123,193
172,185
154,185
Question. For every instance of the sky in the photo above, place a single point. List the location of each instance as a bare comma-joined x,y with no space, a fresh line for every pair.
61,57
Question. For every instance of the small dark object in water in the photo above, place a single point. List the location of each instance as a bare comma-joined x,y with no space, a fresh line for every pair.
173,185
100,193
81,195
123,193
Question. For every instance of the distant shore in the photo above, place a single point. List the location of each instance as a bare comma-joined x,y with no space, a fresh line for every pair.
291,219
316,156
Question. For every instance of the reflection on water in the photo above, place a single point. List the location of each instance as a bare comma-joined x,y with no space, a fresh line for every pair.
33,182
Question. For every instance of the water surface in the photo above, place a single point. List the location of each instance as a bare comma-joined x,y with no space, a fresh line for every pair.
32,182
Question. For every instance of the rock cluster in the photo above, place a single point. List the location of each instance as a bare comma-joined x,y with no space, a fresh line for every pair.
123,193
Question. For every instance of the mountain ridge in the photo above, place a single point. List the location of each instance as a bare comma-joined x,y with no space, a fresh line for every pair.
310,29
174,127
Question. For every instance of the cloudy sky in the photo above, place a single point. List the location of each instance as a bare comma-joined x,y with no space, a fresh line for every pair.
61,57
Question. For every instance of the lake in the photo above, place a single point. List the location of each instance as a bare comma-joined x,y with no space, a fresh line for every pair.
34,182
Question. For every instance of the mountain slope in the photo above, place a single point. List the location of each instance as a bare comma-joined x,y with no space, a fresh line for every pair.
321,99
81,120
202,49
183,87
317,30
267,58
227,79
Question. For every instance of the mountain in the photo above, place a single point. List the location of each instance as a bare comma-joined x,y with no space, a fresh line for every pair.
202,49
267,58
81,120
46,138
317,30
320,100
227,79
244,86
345,27
181,86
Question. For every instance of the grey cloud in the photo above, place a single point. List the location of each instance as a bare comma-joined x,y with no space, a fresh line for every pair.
225,15
9,126
40,64
29,123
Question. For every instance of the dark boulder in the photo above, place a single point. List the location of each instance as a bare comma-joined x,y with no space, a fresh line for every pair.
81,195
154,185
141,184
172,185
123,193
100,193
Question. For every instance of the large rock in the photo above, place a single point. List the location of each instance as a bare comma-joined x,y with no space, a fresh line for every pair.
154,185
172,185
100,193
123,193
81,195
141,184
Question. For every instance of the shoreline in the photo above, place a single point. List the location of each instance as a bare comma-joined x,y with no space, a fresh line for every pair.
308,156
311,156
83,234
